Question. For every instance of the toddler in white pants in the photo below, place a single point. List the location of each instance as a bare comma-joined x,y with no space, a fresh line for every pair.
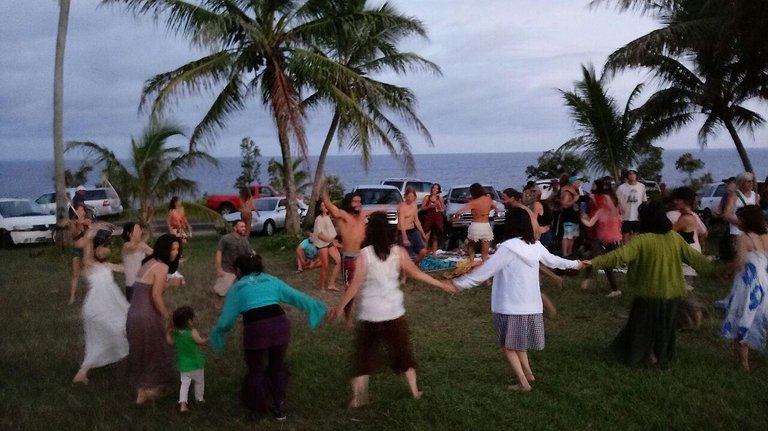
190,360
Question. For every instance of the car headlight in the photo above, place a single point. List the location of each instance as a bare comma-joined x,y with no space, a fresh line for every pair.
501,213
19,227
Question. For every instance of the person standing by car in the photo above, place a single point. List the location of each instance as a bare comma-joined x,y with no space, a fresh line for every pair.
177,220
231,246
78,226
434,207
743,196
246,206
480,229
631,195
412,236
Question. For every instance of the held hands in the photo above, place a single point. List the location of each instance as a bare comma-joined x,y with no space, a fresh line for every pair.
335,313
584,263
449,288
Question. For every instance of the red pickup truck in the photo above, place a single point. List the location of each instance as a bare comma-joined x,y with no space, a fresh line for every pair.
226,204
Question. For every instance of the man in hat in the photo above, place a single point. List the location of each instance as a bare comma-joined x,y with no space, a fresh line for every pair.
631,195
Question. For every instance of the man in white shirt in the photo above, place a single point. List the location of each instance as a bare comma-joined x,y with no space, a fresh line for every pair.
631,195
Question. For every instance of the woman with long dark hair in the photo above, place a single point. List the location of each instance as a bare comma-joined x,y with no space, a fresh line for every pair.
433,206
516,300
151,366
655,275
381,309
326,243
266,331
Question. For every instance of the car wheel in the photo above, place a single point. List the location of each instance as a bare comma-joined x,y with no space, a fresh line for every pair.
225,209
269,228
5,239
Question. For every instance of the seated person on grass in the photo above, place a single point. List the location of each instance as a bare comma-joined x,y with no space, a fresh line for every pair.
307,255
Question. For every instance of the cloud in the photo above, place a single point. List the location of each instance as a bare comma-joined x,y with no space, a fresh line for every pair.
502,64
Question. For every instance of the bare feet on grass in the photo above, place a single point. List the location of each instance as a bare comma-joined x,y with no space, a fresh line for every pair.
358,401
520,388
530,377
81,376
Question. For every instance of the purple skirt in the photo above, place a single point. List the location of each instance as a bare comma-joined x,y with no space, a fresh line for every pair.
266,333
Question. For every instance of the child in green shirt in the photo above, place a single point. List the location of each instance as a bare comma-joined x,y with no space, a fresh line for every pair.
189,356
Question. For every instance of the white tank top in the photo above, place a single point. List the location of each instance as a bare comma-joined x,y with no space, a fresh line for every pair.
740,203
380,297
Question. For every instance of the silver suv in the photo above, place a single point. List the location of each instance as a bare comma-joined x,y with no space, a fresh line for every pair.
457,196
423,188
379,197
103,201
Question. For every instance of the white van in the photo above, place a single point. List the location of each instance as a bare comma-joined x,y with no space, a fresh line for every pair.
423,188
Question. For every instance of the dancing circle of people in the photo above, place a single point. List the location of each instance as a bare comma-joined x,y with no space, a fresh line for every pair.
660,250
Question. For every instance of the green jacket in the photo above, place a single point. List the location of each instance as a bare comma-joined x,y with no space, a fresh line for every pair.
654,264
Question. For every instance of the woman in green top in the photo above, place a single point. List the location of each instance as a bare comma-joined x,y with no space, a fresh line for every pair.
266,331
190,360
655,276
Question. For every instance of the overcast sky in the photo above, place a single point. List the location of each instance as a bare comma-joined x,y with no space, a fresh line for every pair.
502,62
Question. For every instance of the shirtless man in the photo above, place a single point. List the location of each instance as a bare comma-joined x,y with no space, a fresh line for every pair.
412,235
480,229
350,223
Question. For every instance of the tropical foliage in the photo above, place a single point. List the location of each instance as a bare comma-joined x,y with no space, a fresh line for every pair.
724,44
153,172
610,139
250,165
276,169
78,177
554,163
360,113
58,115
267,48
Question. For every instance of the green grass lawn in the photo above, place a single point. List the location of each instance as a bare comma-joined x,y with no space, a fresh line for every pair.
461,370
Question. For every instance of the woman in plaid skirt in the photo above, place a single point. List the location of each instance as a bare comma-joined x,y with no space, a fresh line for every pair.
516,293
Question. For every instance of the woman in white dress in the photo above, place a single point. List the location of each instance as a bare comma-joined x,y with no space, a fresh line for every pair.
746,316
104,309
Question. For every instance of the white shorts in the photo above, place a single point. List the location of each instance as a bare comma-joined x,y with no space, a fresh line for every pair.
223,283
480,232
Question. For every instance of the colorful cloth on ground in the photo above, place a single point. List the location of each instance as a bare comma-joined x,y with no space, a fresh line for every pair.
433,264
746,317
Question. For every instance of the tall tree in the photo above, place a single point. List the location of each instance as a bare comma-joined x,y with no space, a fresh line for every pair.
610,139
58,116
154,171
554,163
255,47
360,112
250,166
302,177
724,42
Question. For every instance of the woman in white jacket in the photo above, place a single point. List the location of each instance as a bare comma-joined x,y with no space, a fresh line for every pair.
516,294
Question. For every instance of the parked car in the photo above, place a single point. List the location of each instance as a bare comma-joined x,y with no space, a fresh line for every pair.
226,204
545,185
423,188
709,197
24,222
270,216
103,201
379,197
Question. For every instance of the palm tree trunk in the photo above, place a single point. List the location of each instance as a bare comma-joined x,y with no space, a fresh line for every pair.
58,114
739,146
291,212
319,176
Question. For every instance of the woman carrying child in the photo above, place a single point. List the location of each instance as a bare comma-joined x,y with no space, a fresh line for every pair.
516,293
381,310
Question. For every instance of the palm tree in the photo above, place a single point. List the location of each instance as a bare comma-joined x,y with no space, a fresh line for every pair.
257,47
609,139
58,115
301,176
359,113
724,41
154,171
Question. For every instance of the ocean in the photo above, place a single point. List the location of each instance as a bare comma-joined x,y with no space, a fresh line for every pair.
31,178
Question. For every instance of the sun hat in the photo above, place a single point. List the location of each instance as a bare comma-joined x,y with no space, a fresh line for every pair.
632,169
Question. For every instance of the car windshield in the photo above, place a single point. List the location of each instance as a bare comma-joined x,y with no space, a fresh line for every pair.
398,184
20,208
265,204
461,195
380,196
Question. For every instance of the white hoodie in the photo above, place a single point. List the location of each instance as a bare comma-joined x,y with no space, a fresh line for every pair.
515,268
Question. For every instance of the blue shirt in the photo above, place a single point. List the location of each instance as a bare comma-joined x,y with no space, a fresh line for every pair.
260,290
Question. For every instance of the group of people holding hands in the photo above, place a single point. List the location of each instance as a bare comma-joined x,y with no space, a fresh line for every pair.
372,261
